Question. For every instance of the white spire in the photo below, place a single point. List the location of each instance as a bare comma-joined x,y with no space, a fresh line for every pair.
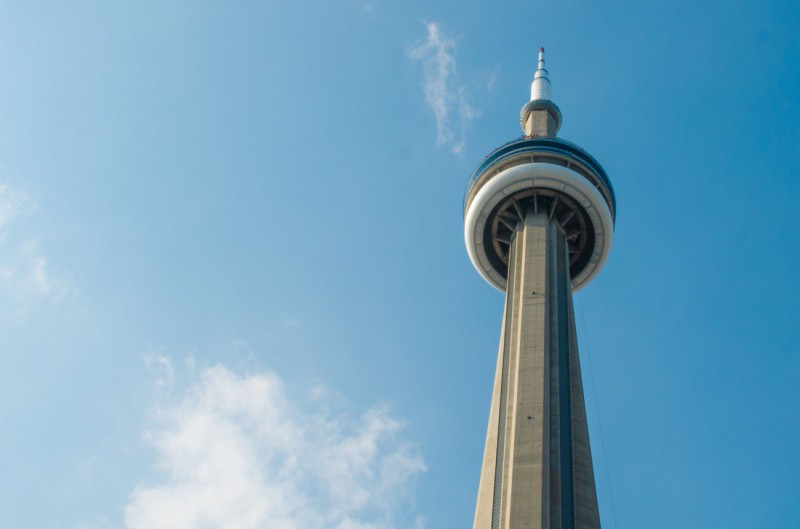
540,88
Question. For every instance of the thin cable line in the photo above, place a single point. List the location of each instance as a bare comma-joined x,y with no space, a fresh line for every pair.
597,411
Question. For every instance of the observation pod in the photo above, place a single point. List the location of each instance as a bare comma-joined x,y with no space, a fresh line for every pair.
547,174
539,172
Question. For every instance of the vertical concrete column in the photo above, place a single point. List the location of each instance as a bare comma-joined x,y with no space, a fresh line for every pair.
525,485
527,479
587,513
540,124
489,469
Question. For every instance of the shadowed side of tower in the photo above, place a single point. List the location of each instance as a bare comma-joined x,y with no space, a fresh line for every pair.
538,224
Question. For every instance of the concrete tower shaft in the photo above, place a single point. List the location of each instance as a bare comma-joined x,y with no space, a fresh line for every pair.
537,466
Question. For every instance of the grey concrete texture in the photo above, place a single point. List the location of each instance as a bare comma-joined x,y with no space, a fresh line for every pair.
540,123
537,467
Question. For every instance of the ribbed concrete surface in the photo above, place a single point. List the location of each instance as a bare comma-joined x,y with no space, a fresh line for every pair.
537,467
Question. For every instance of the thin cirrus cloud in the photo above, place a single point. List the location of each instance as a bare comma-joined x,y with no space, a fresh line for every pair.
26,276
236,452
445,93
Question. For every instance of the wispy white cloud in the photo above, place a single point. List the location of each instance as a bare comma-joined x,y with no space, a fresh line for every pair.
291,323
237,452
26,275
99,522
12,204
162,366
445,94
491,80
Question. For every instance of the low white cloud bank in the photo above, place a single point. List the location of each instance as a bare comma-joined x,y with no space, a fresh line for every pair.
237,453
26,276
444,92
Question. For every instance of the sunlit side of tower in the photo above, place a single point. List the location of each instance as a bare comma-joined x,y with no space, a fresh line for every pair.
538,221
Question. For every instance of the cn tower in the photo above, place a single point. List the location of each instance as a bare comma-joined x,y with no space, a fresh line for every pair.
538,221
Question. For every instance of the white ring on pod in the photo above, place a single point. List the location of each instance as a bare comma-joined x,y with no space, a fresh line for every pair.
530,176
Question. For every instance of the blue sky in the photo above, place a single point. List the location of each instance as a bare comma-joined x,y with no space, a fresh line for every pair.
233,285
